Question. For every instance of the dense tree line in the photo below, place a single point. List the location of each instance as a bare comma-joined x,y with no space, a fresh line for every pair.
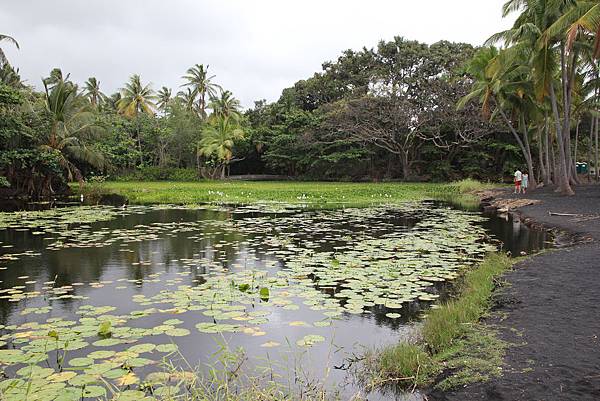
402,110
383,113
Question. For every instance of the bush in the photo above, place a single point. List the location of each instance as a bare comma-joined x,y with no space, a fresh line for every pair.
159,174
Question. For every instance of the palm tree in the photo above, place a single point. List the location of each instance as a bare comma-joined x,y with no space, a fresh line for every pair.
187,97
9,76
202,86
164,97
218,138
3,59
551,66
136,99
93,93
226,106
502,83
71,126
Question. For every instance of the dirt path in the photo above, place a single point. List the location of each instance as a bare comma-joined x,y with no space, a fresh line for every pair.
551,310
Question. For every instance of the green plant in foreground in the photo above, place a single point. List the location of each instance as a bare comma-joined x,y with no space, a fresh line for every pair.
451,338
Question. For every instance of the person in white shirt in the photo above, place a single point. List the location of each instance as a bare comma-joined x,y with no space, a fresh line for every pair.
518,180
525,182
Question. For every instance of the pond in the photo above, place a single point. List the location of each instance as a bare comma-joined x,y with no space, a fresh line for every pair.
95,299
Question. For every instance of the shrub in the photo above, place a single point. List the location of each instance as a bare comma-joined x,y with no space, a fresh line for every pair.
154,173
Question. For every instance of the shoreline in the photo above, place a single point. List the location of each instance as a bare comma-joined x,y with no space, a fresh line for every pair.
550,301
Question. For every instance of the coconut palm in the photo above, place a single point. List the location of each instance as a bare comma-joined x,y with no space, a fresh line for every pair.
187,97
93,93
553,69
10,76
226,106
164,97
136,99
71,128
201,85
218,138
3,59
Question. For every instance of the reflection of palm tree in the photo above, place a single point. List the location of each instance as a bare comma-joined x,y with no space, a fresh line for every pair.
201,85
3,59
135,99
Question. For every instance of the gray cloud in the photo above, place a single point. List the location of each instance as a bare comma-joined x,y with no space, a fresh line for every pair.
256,48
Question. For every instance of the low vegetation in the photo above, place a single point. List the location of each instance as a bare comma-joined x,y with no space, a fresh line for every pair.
451,339
316,193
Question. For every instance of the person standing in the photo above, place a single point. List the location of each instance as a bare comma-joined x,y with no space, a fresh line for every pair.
518,179
525,182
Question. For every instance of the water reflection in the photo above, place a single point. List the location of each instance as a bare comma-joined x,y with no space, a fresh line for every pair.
144,253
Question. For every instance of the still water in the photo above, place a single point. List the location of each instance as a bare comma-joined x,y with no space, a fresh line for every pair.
301,292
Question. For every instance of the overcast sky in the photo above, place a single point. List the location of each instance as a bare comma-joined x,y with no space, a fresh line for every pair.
254,47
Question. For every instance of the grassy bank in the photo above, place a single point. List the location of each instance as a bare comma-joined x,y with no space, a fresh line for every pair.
316,193
451,340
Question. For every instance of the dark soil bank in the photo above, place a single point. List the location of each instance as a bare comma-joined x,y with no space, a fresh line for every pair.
551,311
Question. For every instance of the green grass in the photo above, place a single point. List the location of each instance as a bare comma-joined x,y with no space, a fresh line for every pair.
452,338
292,192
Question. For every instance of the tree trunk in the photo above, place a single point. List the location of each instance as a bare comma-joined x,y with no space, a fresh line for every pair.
543,177
404,159
561,176
596,158
524,149
547,144
593,122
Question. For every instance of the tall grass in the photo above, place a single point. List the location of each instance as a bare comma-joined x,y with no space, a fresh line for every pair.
413,364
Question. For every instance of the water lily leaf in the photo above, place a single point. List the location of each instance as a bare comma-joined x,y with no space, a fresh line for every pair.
270,344
127,379
79,362
310,340
61,376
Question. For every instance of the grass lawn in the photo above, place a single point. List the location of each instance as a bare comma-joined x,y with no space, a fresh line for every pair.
311,193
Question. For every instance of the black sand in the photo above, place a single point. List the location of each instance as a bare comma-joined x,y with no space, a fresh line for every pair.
551,310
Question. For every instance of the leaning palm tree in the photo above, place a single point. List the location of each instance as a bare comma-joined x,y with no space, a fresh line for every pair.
164,97
226,106
202,86
3,59
136,99
93,93
72,126
218,138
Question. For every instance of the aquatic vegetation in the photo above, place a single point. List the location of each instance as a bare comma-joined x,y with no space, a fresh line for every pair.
315,194
256,268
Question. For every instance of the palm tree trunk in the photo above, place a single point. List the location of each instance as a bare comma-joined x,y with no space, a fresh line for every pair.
561,176
139,141
575,151
546,146
596,158
524,148
589,149
543,177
